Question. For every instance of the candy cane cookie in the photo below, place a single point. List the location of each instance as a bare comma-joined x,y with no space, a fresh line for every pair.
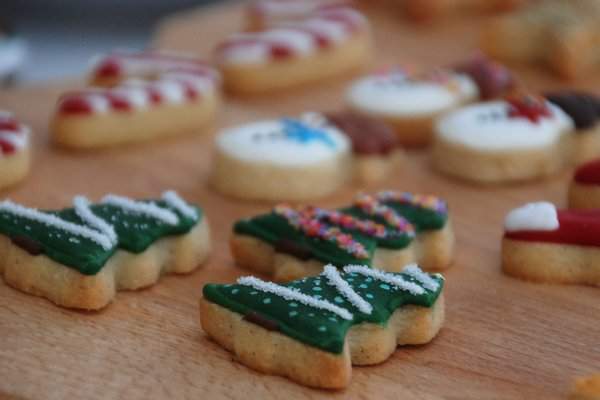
411,102
386,231
15,152
313,330
178,100
328,43
523,137
284,159
544,244
79,257
263,14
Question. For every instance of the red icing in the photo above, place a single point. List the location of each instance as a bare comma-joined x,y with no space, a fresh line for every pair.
118,103
9,125
155,96
109,68
7,147
74,105
531,107
280,51
588,173
577,227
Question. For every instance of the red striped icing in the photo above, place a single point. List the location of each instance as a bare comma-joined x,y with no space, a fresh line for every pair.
588,173
576,227
290,9
10,127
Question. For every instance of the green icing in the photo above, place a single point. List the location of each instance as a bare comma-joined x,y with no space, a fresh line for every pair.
317,327
136,232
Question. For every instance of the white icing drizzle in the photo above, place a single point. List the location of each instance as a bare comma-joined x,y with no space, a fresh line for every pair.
173,200
138,207
394,280
540,216
136,96
334,279
426,280
295,295
19,139
56,222
82,209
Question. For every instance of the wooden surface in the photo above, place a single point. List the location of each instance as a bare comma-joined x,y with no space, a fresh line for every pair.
503,338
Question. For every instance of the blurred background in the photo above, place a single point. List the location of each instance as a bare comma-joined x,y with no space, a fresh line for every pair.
62,35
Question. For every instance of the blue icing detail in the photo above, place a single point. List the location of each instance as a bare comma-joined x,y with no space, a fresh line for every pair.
303,133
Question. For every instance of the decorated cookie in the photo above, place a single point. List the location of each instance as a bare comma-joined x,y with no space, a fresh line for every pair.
15,153
523,137
285,159
262,14
409,102
326,44
79,257
584,110
431,10
560,34
544,244
586,388
167,97
313,330
584,190
386,231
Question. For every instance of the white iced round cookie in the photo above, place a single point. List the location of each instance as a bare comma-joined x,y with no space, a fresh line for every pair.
276,160
488,127
396,95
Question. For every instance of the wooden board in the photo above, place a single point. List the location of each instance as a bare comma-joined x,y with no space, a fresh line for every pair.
503,339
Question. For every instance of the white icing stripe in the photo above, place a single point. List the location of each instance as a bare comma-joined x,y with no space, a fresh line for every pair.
295,295
82,208
56,222
149,209
334,279
426,280
173,200
540,216
394,280
19,139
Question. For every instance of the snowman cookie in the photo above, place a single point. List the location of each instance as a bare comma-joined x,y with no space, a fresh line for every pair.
283,159
544,244
524,137
15,157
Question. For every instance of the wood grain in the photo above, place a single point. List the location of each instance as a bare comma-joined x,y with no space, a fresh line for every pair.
503,339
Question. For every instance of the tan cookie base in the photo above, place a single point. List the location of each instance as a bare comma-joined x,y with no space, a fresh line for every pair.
586,388
376,168
431,250
261,181
41,276
283,74
274,353
584,197
551,262
14,167
587,145
115,128
488,167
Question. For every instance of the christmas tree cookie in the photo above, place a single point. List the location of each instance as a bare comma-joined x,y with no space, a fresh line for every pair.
386,231
314,329
79,257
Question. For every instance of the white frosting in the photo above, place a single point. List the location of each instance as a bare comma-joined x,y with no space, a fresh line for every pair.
394,95
266,142
135,95
13,52
332,30
291,8
540,216
18,139
98,102
487,127
172,92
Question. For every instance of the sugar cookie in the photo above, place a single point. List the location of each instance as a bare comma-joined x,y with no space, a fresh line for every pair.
15,152
386,231
79,257
584,190
503,141
262,14
285,159
329,43
544,244
171,99
313,330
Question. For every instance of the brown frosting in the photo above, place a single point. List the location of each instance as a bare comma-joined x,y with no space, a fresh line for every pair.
261,321
29,245
368,135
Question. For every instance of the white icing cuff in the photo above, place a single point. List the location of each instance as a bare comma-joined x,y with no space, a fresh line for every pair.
540,216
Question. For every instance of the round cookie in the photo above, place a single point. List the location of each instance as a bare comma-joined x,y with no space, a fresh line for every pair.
584,110
410,104
285,159
15,153
584,190
503,141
